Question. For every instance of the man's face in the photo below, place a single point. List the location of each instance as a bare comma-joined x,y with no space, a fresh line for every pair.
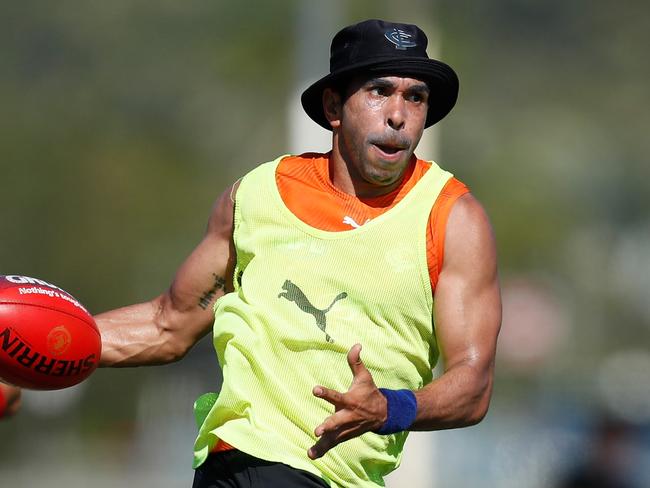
381,122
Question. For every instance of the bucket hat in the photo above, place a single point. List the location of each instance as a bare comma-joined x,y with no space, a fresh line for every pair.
377,47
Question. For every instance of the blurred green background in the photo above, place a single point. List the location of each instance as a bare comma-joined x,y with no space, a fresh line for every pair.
122,121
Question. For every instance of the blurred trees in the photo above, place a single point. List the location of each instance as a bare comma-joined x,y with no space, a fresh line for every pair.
121,124
549,133
122,121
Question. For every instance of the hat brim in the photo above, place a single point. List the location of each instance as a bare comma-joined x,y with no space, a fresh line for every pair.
440,77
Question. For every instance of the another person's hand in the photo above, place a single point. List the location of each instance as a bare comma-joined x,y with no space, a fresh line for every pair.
9,400
361,409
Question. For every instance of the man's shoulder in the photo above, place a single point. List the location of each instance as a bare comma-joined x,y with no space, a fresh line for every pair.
453,186
291,161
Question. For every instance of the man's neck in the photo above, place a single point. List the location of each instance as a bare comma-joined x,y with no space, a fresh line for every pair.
344,177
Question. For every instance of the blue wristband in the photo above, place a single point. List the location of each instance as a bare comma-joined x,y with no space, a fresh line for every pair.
402,408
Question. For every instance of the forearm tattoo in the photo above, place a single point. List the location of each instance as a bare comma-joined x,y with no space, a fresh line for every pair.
208,296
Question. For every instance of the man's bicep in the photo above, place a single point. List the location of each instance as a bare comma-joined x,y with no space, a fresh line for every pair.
206,274
467,299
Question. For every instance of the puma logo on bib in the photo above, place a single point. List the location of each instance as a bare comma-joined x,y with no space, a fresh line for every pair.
294,294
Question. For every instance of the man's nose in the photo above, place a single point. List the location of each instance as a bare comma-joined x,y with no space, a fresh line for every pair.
396,112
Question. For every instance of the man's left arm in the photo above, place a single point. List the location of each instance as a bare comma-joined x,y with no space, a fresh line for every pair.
467,317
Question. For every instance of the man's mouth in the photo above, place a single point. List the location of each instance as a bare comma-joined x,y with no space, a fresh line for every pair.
388,149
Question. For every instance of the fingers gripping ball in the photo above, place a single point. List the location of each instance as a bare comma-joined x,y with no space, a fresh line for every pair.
48,340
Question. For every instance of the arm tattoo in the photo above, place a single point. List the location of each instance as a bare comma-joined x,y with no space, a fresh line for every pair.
208,296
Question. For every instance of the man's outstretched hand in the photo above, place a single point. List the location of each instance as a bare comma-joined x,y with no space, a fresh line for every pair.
361,409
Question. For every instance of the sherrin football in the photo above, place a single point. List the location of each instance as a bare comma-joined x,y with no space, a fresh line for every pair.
48,340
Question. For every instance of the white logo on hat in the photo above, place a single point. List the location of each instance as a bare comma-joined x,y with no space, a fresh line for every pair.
400,38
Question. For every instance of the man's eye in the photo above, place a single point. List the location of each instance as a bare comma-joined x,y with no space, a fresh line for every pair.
379,91
418,98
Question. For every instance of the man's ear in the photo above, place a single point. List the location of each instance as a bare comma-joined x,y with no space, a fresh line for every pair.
332,107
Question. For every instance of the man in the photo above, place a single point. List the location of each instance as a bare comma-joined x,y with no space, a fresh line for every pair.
326,268
9,400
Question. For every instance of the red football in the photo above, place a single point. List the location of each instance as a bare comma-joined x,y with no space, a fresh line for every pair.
48,340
